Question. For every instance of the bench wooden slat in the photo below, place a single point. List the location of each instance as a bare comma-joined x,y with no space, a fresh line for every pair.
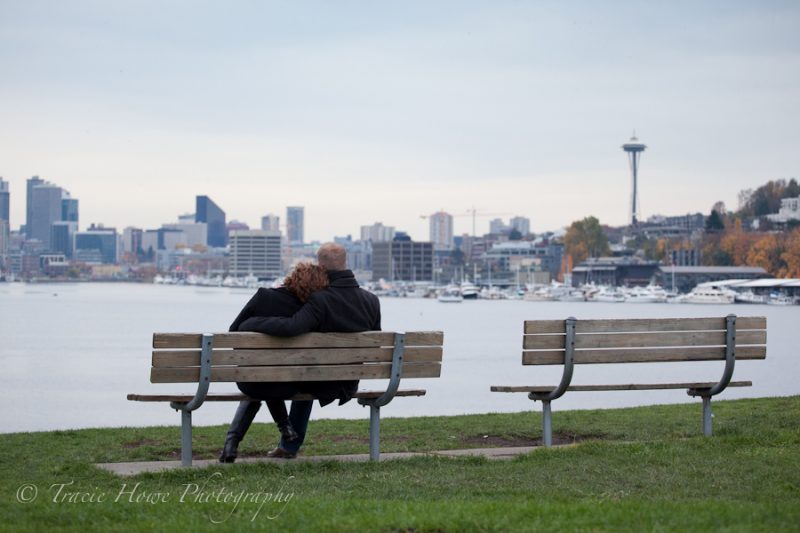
308,340
644,324
295,373
644,339
630,386
642,355
239,397
301,356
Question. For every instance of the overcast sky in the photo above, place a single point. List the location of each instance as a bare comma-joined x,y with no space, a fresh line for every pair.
367,111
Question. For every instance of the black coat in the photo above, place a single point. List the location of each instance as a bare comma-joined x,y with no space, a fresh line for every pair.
342,307
268,302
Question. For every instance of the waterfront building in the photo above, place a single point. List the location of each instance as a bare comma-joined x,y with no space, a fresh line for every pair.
295,225
686,278
47,209
377,232
402,260
210,213
615,271
30,184
256,253
271,223
441,230
53,264
521,224
97,244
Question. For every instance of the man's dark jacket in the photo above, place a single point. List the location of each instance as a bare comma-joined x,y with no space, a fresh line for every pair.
343,307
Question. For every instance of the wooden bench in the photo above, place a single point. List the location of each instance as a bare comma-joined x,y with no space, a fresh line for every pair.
230,357
571,341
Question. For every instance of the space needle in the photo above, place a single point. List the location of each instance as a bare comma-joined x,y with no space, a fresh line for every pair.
634,150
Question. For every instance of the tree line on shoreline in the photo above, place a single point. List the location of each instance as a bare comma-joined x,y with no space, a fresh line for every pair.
731,238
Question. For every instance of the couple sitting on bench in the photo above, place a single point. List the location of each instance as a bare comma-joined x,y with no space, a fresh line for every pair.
324,298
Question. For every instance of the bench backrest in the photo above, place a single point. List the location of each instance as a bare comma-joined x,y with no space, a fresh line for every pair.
240,356
643,340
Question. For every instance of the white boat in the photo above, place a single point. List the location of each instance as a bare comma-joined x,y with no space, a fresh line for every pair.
609,294
451,295
539,294
749,297
780,299
574,295
469,291
649,294
708,295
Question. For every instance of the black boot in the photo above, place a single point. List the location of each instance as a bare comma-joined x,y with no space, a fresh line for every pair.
288,434
244,416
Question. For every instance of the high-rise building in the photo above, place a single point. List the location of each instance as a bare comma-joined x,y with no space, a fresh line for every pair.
441,230
521,224
271,223
256,253
377,233
5,204
132,240
402,260
96,245
46,206
31,183
497,226
195,232
62,237
69,208
295,224
4,238
210,213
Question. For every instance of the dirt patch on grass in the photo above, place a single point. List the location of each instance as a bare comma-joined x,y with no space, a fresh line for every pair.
493,441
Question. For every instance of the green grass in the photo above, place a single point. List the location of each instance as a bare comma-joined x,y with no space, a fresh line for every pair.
636,469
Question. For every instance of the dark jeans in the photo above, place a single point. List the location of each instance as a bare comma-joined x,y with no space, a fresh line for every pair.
299,413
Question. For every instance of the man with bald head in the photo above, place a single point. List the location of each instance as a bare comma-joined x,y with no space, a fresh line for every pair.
343,307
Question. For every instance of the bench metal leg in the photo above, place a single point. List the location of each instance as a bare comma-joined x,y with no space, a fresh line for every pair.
547,424
374,432
707,416
186,438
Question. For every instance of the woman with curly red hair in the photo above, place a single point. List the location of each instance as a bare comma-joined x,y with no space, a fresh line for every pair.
284,301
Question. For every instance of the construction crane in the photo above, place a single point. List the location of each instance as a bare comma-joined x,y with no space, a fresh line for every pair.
474,213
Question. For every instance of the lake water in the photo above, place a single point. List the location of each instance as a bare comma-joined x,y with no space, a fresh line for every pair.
70,354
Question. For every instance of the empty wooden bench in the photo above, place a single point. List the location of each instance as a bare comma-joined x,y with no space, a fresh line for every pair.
230,357
571,341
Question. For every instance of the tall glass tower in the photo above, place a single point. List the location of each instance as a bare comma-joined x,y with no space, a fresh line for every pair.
295,222
210,213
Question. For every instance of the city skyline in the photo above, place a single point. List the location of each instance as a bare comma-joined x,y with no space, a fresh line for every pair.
365,113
